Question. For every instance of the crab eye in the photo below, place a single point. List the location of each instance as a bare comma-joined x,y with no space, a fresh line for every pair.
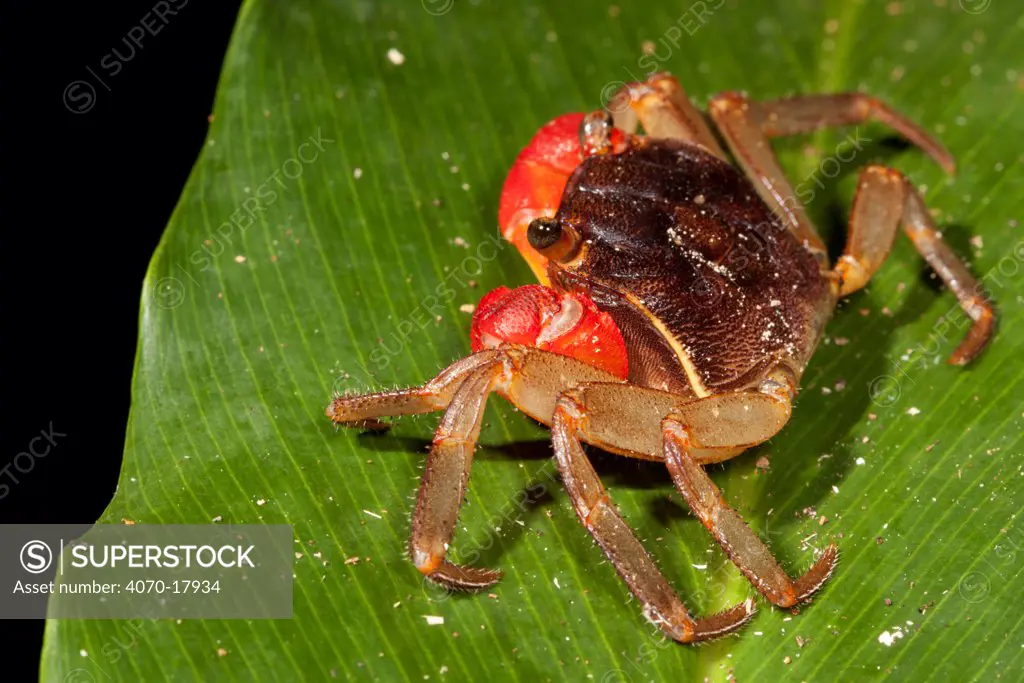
543,232
552,239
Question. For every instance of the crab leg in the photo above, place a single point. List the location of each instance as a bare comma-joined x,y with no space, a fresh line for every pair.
884,199
444,485
461,390
741,544
717,427
664,111
364,410
874,217
806,113
625,419
595,509
579,400
529,377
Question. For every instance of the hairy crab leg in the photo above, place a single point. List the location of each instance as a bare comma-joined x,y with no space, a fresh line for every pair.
884,199
598,514
364,410
460,390
528,377
742,545
444,484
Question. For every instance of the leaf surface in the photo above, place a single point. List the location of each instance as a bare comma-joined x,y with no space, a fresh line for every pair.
352,174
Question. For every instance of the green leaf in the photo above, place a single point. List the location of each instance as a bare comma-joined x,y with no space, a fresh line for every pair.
373,174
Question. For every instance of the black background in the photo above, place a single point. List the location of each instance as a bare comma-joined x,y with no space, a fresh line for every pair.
87,197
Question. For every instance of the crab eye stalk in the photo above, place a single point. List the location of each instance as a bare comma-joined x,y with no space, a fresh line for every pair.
552,239
596,133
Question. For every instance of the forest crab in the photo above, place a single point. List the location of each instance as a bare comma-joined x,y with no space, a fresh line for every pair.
680,300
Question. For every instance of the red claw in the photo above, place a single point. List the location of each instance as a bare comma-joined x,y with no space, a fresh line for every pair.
565,323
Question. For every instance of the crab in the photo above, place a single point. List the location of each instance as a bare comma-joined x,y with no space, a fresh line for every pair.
680,298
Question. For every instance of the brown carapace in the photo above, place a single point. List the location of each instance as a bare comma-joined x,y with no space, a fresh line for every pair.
681,298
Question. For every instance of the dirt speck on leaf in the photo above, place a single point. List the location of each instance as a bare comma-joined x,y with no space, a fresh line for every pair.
396,57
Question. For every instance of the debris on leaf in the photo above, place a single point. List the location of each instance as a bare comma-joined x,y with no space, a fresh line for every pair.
887,639
396,57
